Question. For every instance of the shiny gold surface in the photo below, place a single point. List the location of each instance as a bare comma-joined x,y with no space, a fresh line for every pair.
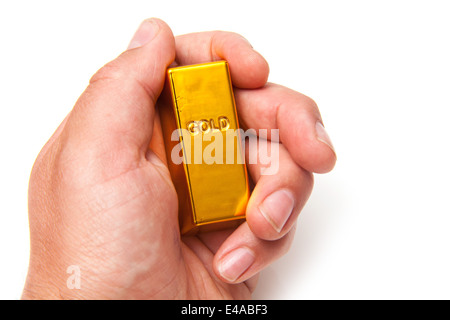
211,181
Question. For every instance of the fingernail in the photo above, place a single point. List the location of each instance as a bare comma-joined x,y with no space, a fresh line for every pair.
277,208
323,136
144,34
235,263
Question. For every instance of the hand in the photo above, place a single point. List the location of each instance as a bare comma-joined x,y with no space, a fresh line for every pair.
101,198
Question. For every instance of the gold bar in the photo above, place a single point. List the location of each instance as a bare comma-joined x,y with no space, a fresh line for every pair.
211,181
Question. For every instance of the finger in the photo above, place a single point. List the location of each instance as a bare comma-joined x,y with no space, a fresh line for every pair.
252,282
247,67
117,108
282,189
297,119
243,254
211,241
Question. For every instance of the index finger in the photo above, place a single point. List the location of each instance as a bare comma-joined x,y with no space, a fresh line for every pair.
248,68
297,119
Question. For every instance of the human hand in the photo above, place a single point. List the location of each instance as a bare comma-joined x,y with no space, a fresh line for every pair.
101,198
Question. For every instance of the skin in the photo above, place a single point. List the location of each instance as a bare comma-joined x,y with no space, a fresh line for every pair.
100,194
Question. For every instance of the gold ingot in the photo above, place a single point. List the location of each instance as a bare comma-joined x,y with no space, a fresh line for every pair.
200,127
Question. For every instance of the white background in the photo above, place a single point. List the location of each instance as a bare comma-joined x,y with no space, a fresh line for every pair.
377,227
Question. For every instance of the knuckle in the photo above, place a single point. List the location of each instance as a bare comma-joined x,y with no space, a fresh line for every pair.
110,71
310,104
310,101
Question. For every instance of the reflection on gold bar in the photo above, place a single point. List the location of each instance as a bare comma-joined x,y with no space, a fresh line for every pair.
211,180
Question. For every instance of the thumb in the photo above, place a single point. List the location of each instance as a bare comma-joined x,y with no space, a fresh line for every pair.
117,108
